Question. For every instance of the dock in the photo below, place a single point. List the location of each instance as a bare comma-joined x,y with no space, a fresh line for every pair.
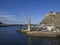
40,33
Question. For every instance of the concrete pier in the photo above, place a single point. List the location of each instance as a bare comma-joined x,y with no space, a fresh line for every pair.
40,33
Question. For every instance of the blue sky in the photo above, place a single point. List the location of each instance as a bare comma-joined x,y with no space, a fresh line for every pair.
17,11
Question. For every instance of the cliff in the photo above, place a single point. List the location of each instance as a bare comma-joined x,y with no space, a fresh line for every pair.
52,18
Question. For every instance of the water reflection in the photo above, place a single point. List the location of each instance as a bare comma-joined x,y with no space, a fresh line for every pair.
43,41
9,36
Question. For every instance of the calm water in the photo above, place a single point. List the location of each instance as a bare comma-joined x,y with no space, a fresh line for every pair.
10,36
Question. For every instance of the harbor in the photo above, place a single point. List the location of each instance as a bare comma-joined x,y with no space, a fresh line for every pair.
42,30
29,22
41,33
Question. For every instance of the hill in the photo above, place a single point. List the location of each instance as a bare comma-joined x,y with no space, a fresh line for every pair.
1,23
52,18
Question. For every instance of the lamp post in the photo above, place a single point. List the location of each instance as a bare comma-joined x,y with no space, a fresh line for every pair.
29,24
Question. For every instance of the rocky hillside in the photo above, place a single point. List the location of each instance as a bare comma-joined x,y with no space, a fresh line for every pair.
52,18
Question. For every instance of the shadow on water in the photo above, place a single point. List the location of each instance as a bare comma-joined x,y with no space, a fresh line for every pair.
43,41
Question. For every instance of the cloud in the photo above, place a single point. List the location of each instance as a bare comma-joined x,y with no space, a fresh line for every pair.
10,19
7,18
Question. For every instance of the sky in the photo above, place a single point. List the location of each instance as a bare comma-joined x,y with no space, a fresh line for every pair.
18,11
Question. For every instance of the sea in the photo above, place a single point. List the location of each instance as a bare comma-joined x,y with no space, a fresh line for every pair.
10,36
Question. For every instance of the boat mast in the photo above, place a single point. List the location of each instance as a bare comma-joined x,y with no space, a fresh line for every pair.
28,24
